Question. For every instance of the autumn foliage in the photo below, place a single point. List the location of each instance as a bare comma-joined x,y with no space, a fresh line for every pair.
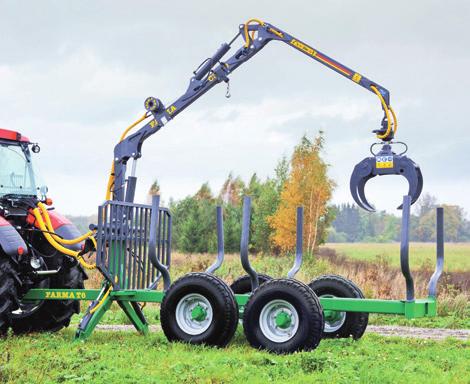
307,185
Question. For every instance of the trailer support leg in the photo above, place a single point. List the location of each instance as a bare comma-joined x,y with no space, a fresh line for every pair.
135,315
91,320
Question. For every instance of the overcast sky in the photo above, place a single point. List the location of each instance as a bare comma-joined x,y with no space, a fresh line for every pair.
73,75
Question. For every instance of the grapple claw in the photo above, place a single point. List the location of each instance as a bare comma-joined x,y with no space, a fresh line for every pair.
412,173
385,162
361,174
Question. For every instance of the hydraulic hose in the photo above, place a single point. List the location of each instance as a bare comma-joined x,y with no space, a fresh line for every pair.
395,121
50,228
245,29
75,254
101,302
388,110
123,136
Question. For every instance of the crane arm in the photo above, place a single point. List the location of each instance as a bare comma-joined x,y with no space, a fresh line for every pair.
256,35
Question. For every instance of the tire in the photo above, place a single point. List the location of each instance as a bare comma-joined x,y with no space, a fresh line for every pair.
341,324
8,292
218,316
300,330
242,285
51,315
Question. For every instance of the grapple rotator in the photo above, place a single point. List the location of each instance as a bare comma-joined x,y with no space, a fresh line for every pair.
385,162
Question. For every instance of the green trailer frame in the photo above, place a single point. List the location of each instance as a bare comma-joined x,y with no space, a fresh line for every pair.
128,299
409,309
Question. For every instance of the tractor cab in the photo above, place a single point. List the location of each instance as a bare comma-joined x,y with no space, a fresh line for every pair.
18,176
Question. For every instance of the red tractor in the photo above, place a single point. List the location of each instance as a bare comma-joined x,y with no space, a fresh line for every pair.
27,260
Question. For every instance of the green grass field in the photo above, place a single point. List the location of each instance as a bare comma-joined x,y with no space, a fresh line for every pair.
125,357
457,255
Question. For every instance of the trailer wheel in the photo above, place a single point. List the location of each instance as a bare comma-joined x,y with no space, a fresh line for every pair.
340,324
242,285
50,315
8,292
283,316
199,308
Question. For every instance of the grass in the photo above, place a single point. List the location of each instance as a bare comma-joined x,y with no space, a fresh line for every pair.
422,255
125,357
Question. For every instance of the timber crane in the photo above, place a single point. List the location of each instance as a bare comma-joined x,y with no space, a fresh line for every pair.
42,264
256,34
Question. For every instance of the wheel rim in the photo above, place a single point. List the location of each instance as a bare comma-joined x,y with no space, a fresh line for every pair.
279,321
334,320
194,314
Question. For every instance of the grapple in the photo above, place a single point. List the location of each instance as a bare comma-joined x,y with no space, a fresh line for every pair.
385,162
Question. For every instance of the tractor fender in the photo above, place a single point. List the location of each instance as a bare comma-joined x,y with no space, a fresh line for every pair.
11,241
65,229
62,227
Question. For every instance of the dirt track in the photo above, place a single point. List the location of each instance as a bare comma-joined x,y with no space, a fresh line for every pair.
384,330
420,333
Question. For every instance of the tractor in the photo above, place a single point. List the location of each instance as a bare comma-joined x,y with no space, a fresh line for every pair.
27,259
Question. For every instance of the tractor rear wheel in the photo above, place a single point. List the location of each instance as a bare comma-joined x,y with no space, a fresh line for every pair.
8,292
50,315
340,324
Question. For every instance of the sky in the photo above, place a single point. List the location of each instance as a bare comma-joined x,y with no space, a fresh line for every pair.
74,75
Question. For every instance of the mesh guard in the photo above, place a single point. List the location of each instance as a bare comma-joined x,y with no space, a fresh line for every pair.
123,236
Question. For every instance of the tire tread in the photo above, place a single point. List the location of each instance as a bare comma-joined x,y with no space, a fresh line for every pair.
358,326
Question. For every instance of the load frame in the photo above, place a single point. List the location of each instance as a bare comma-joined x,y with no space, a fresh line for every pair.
119,266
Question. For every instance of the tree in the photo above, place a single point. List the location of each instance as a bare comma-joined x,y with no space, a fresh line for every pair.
425,204
204,193
232,227
455,224
153,190
282,173
308,185
232,190
264,206
194,222
348,221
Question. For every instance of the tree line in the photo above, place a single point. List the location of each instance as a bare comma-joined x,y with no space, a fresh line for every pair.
300,180
352,224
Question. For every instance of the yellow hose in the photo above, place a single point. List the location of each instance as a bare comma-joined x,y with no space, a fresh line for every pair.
387,113
56,245
245,29
50,228
95,308
395,121
123,136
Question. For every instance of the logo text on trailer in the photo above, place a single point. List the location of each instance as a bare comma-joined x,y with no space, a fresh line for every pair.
65,295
